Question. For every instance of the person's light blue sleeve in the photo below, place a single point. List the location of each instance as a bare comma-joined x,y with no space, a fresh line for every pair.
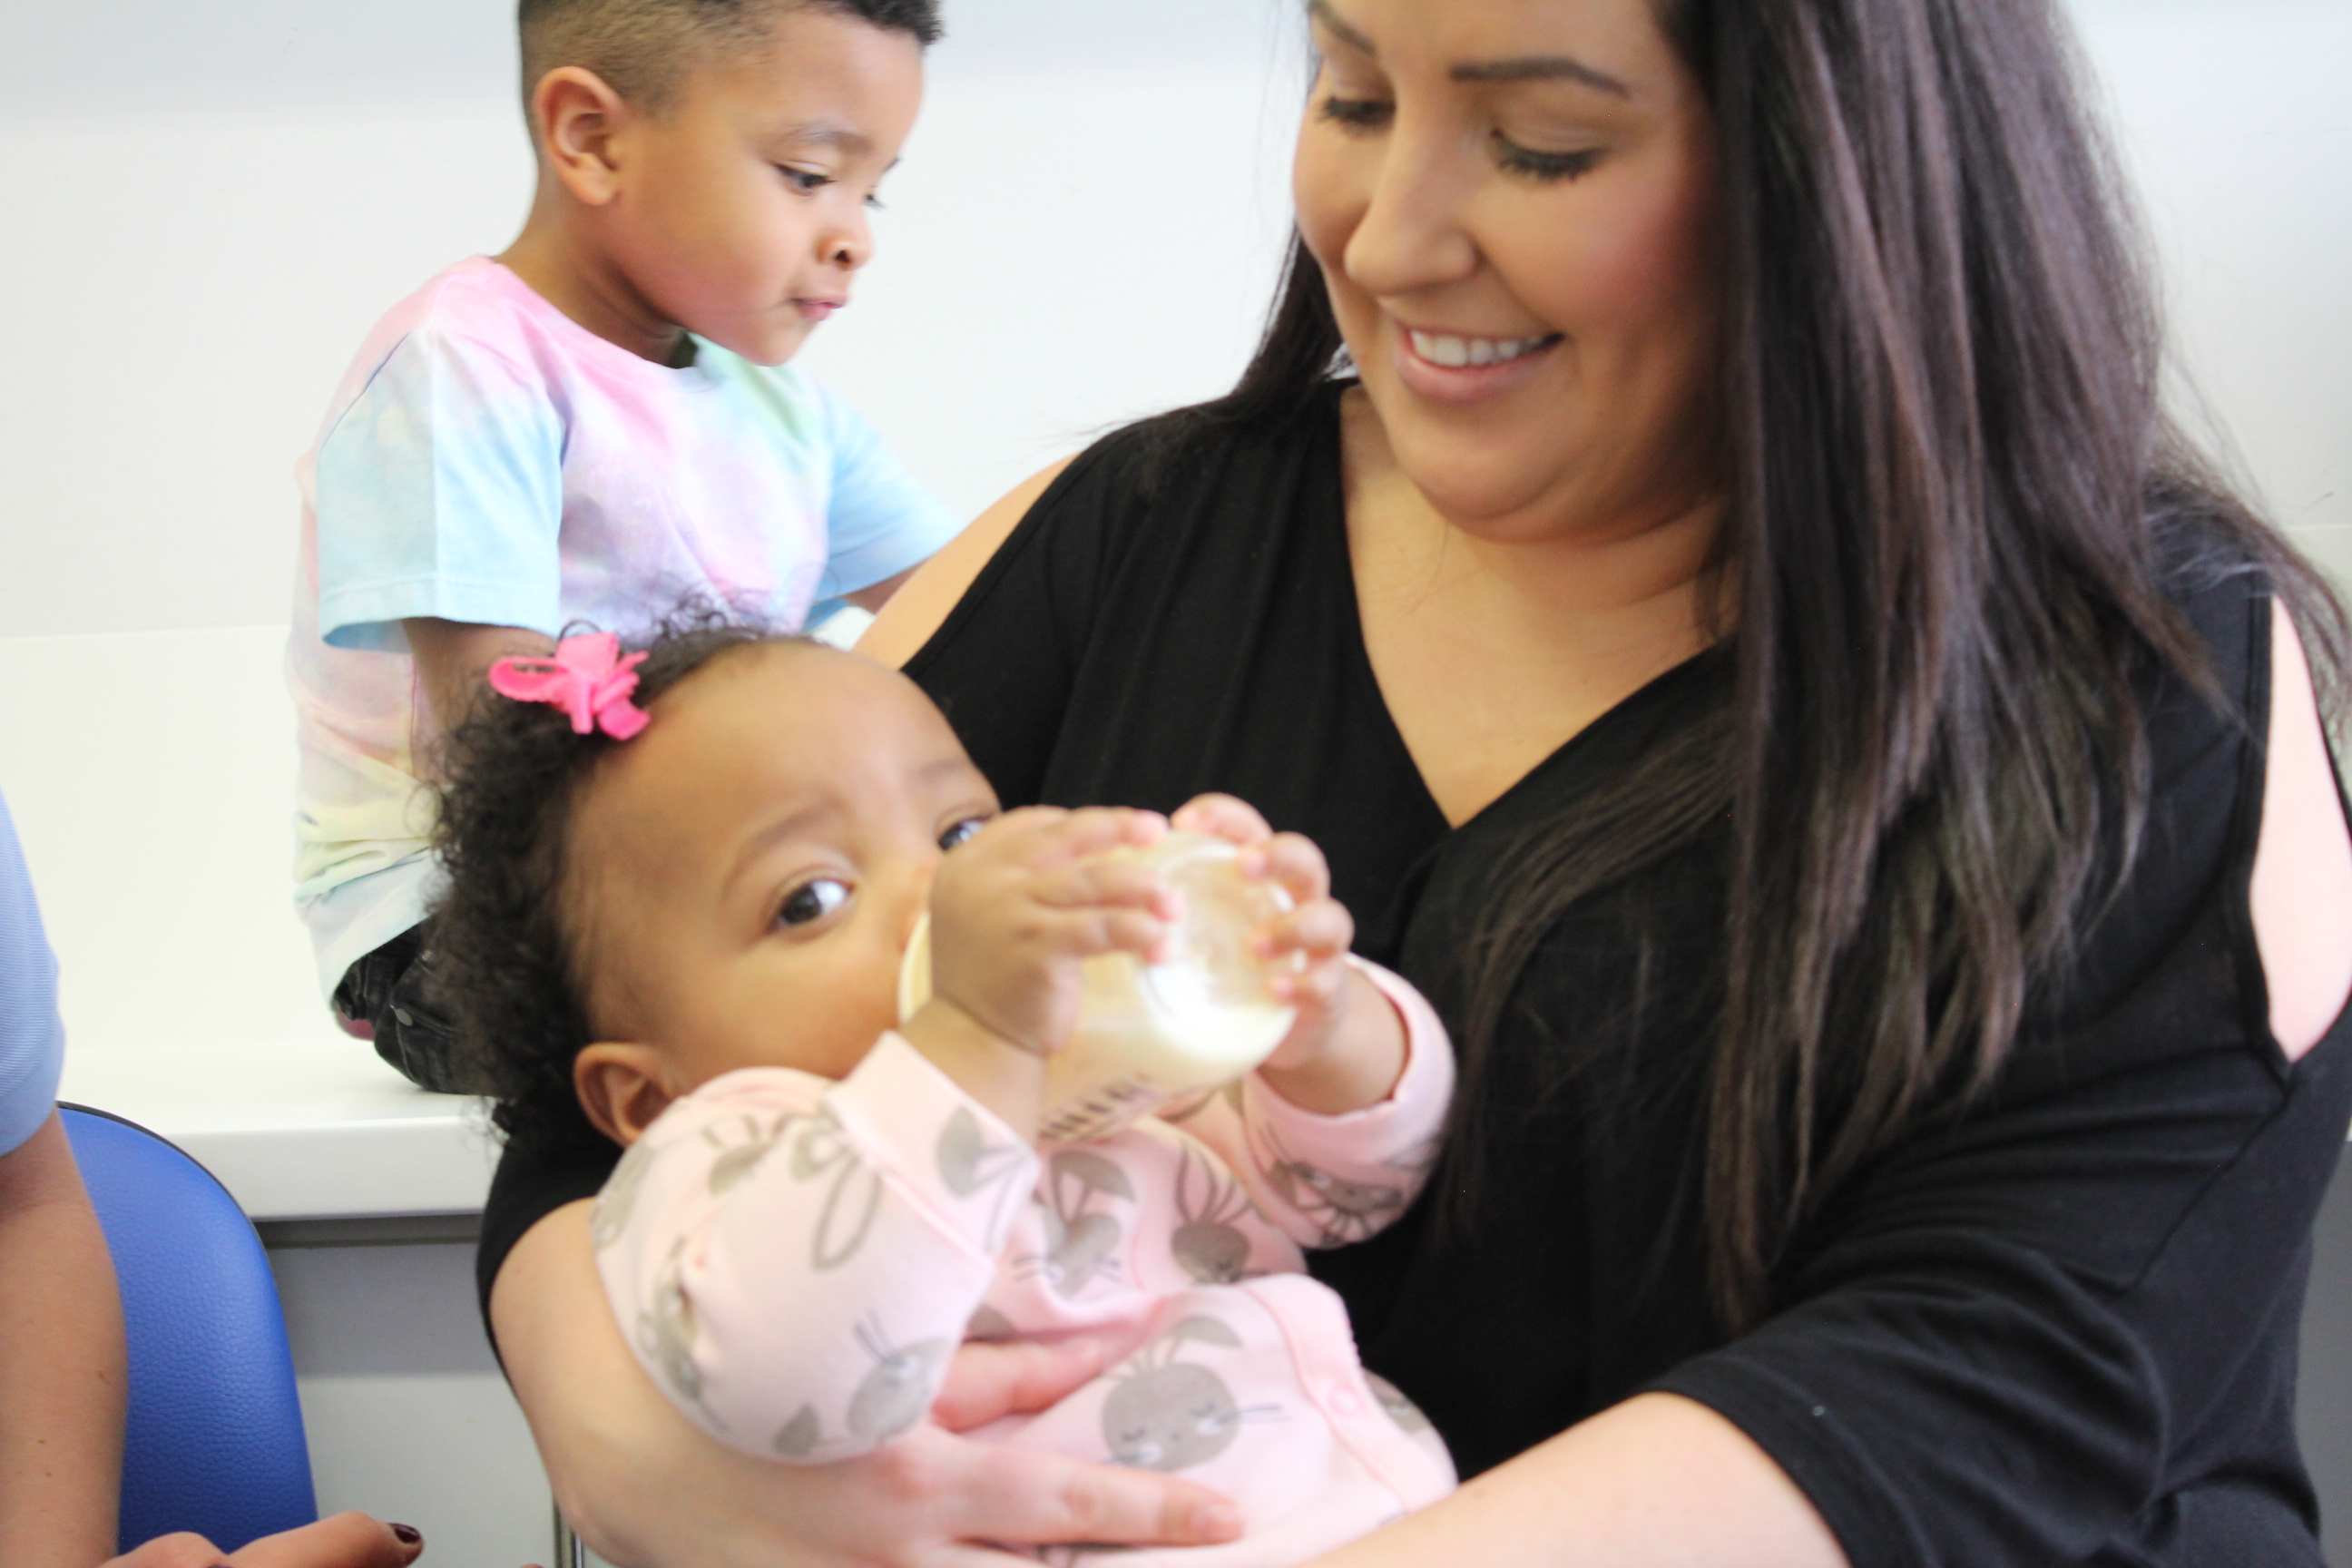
32,1034
440,493
883,521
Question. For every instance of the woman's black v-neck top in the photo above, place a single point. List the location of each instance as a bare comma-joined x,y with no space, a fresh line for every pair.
2060,1330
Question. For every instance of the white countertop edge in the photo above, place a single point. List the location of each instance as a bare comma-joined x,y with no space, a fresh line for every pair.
306,1129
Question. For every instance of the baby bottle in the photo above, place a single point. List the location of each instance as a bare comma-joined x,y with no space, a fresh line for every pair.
1152,1033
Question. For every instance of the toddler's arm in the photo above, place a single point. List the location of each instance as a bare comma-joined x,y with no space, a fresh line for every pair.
1326,1181
453,660
795,1261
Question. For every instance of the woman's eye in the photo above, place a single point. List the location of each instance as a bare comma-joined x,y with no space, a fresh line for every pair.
813,902
804,180
963,832
1357,113
1537,165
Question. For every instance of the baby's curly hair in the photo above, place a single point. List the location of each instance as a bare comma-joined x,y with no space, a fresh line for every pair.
505,961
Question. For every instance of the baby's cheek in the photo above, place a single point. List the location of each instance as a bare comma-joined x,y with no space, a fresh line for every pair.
842,1029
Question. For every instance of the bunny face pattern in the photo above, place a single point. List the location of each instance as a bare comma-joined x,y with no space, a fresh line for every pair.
1081,1233
1167,1415
890,1398
1207,1244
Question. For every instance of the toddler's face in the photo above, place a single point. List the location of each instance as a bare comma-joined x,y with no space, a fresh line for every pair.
749,218
746,873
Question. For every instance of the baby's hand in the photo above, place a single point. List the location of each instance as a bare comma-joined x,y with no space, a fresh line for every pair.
1348,1045
1014,911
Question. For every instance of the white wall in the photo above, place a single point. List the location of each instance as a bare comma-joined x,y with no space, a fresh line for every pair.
2236,124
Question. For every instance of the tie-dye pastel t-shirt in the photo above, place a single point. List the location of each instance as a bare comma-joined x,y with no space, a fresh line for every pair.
488,460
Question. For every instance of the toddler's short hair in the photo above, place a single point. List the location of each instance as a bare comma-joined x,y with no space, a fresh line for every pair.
644,48
506,959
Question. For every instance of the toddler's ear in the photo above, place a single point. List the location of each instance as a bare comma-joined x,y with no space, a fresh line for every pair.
579,121
620,1088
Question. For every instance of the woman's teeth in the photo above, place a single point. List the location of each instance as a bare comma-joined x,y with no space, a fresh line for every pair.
1440,348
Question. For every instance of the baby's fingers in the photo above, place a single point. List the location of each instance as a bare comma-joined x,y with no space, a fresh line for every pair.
1293,862
1088,932
1099,829
1322,931
1107,883
1222,816
1047,835
1316,988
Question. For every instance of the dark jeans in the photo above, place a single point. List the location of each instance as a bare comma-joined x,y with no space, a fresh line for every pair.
388,996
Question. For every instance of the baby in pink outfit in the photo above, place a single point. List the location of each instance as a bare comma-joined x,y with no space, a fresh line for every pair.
692,937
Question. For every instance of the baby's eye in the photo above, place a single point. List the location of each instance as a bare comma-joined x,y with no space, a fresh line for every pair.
963,832
804,180
813,902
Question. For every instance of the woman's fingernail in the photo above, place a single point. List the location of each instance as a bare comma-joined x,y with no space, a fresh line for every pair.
408,1534
1216,1521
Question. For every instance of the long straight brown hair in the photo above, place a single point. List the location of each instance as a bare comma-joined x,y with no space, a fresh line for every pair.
1946,470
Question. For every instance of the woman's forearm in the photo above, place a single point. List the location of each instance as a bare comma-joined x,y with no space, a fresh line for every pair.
61,1362
559,1341
1656,1481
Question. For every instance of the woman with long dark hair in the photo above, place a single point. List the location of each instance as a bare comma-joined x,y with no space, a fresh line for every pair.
1702,549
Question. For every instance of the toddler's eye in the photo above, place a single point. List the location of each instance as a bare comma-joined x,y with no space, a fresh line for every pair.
804,180
813,902
963,832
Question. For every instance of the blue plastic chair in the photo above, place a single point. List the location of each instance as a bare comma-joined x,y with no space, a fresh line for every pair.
213,1441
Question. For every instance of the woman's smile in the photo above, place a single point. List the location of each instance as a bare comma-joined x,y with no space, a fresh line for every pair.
1459,368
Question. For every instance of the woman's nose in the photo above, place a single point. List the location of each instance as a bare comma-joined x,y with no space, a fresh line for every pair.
1411,235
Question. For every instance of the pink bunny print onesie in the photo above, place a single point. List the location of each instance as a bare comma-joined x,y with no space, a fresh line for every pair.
795,1260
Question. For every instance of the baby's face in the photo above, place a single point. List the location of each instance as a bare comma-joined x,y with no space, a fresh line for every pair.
746,220
745,874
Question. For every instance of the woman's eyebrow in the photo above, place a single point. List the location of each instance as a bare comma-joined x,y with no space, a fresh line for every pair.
1523,67
1540,67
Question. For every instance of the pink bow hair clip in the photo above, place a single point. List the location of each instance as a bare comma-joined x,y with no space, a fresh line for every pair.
588,679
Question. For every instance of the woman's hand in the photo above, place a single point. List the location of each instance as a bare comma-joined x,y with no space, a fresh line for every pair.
646,1489
1348,1048
345,1541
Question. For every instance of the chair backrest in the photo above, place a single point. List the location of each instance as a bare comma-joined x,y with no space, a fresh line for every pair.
214,1442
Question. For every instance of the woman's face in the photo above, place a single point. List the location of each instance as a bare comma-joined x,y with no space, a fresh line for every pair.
1513,204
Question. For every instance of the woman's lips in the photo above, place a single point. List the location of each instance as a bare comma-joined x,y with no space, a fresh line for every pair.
1458,367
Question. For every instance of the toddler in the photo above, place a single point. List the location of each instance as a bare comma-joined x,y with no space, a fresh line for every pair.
690,938
595,422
